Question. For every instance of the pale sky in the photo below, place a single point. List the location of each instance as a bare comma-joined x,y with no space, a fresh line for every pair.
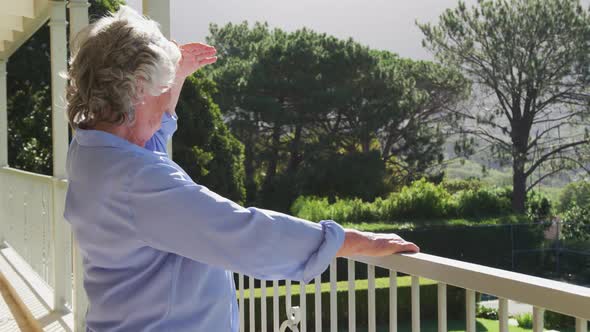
381,24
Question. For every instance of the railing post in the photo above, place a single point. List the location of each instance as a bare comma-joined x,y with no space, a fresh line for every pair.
333,296
371,298
392,301
503,314
241,305
159,11
58,44
442,307
318,304
263,305
275,305
302,305
581,325
538,319
415,291
252,304
470,306
351,297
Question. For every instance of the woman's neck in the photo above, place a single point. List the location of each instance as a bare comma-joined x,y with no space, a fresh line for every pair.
123,131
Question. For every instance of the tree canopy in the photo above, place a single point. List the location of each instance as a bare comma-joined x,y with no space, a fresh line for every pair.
301,99
532,57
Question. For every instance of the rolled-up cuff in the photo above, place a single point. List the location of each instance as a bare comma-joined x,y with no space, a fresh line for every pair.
169,125
321,259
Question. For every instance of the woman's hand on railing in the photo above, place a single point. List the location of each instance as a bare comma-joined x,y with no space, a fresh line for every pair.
358,243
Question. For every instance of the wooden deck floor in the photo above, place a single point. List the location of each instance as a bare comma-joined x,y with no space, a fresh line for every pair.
24,304
12,317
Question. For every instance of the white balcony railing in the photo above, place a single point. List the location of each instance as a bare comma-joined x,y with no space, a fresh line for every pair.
543,294
31,223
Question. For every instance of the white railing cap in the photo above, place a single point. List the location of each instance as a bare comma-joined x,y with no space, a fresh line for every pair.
553,295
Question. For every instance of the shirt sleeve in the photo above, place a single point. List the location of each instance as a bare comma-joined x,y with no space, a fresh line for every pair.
174,214
159,140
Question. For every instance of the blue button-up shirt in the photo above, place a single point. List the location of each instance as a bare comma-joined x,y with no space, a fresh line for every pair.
158,248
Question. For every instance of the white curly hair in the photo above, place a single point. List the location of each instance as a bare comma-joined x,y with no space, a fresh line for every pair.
115,61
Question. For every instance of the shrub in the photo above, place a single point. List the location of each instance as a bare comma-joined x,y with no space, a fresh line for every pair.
342,210
525,321
538,206
422,200
311,208
487,313
575,192
482,202
576,223
352,210
454,186
555,321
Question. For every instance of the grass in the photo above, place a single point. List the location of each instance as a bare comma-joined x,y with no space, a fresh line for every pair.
342,286
403,225
454,326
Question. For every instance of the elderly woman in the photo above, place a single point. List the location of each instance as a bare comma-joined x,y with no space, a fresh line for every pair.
157,247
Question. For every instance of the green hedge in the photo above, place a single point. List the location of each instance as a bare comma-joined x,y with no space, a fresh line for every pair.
422,200
428,305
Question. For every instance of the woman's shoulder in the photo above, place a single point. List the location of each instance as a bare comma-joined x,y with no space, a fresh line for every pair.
157,169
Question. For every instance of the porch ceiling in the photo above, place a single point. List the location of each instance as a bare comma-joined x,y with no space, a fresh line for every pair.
19,19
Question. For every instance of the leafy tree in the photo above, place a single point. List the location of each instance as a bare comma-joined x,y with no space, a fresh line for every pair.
351,175
415,128
575,193
203,145
533,57
576,223
298,99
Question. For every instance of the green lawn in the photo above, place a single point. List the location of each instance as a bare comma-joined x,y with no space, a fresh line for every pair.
342,286
454,326
403,224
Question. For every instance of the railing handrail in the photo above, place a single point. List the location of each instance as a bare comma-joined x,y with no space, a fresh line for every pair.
553,295
18,172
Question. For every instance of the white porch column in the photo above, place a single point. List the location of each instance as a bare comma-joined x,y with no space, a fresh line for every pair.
78,20
3,115
159,11
58,44
78,16
3,134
